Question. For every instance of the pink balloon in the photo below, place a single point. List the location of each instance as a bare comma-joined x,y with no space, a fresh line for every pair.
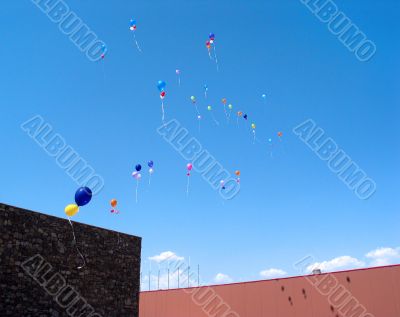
189,166
134,174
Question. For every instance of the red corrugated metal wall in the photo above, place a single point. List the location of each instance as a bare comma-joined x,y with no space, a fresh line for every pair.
373,292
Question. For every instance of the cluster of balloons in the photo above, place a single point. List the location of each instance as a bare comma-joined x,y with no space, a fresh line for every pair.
103,51
210,43
237,173
161,87
82,197
138,176
132,27
113,204
189,168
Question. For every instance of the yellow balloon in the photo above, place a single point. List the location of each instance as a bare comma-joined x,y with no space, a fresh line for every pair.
253,126
71,210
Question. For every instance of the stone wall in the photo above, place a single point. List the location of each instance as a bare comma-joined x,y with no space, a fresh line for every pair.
39,268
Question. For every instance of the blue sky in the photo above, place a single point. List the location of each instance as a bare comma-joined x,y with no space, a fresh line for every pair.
290,204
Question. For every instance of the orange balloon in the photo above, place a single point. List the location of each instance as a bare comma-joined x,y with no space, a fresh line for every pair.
280,134
224,100
237,173
113,203
239,113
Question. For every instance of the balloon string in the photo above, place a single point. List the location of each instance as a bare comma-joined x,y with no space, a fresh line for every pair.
162,111
215,120
104,72
76,246
137,186
226,114
136,42
216,58
187,186
254,134
149,179
209,54
179,80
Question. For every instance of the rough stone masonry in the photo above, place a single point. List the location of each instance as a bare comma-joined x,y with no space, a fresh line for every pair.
39,274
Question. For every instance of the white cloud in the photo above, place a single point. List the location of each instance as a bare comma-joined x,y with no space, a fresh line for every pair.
221,278
166,256
384,256
339,263
272,273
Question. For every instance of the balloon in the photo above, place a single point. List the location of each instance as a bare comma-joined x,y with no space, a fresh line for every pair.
83,196
162,95
137,175
211,36
151,170
193,99
150,164
189,166
269,140
177,71
239,113
161,85
132,25
223,100
113,203
245,116
71,210
205,87
264,96
230,106
280,134
209,108
208,45
138,167
134,174
253,126
199,117
237,173
103,50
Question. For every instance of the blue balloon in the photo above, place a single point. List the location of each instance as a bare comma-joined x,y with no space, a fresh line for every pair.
138,167
211,36
132,23
161,85
150,164
83,196
245,116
